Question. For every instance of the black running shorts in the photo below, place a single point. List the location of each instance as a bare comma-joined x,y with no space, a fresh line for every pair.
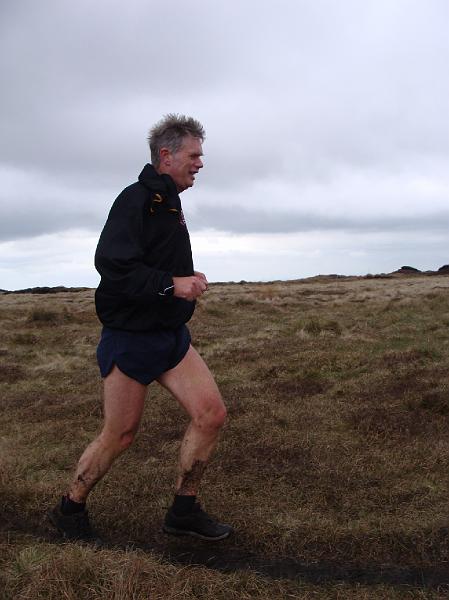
143,356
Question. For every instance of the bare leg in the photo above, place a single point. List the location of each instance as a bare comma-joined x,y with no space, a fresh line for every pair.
193,385
123,405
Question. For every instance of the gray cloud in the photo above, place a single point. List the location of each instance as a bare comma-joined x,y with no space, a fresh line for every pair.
243,220
299,86
22,226
304,99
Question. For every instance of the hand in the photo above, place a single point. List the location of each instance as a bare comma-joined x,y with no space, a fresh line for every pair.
203,277
191,287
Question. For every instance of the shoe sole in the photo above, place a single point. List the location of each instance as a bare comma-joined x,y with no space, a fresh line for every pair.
180,532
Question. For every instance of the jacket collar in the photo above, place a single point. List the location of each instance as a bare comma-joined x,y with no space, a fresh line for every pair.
163,184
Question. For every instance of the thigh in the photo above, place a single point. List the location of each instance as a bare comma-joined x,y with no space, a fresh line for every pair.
192,384
124,400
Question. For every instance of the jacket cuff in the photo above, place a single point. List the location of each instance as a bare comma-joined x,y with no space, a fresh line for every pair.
167,287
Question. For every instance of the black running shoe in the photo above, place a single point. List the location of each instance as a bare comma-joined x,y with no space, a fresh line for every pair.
197,524
73,527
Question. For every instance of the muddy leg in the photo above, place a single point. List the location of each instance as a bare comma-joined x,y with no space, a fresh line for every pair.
123,405
193,386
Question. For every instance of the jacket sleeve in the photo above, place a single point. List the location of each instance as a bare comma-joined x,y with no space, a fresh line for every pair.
120,253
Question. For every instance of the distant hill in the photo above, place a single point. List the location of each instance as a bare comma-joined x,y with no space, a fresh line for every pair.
407,269
46,290
404,270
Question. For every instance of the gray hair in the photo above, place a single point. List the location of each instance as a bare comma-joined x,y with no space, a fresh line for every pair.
170,132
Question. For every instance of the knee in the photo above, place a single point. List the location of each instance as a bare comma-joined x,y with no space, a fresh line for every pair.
126,439
212,415
118,442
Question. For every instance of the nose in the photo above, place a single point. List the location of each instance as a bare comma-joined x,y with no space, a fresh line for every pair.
199,163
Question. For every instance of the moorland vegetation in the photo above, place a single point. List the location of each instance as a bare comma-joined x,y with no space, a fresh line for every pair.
333,466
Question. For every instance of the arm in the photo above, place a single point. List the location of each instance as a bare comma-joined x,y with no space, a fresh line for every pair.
119,257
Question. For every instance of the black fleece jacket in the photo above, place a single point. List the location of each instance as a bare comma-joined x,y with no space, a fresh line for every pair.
144,243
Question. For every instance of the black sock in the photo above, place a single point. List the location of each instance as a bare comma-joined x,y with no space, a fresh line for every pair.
183,505
69,507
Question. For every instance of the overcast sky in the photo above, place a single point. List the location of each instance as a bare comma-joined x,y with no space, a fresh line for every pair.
327,128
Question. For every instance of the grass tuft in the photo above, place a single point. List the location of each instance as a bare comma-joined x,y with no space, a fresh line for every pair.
40,315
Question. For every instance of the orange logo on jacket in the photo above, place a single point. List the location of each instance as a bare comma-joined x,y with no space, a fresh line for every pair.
158,198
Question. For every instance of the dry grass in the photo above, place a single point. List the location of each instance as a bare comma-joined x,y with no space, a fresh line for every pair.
333,466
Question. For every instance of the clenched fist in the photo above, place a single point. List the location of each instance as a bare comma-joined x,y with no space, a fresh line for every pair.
190,288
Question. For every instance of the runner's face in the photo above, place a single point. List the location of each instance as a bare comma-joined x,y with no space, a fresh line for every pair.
184,164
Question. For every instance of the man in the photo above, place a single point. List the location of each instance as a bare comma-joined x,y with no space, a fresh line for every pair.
146,295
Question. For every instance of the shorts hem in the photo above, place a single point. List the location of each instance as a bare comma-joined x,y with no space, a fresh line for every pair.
179,359
127,373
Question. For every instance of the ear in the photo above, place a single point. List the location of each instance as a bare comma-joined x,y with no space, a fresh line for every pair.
165,156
